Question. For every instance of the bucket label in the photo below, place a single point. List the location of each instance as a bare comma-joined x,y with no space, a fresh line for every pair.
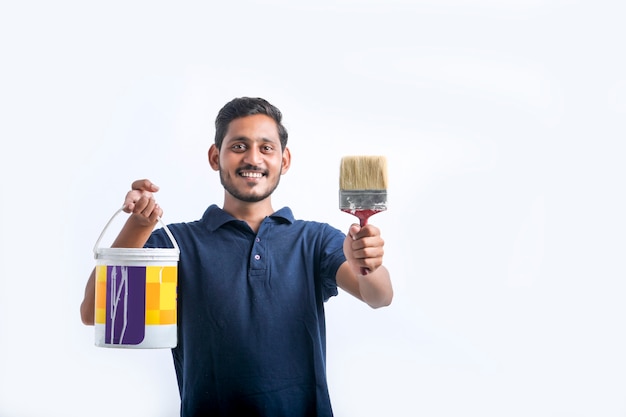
128,298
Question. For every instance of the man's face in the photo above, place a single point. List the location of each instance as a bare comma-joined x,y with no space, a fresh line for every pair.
251,160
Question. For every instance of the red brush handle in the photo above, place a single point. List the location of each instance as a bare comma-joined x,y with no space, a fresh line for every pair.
363,221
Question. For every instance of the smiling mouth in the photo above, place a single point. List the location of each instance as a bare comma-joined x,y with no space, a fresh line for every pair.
251,174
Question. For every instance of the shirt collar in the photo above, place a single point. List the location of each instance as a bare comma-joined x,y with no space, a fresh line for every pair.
214,217
284,214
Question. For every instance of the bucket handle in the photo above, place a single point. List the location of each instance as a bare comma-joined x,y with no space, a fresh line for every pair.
167,230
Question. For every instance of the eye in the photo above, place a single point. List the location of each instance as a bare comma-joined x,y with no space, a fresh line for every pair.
267,149
238,147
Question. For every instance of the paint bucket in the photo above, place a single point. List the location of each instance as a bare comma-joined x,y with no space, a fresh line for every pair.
136,295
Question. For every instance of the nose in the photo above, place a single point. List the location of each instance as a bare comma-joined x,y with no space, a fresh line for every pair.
253,156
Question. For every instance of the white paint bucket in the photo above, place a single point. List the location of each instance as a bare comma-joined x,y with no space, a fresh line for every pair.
136,295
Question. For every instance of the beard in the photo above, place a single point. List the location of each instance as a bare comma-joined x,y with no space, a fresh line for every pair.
252,196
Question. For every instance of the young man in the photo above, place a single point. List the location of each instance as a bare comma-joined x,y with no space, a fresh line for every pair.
253,281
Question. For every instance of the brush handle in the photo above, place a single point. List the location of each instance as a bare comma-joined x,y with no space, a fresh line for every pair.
363,222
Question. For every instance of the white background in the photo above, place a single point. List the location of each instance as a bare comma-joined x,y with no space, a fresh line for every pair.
503,122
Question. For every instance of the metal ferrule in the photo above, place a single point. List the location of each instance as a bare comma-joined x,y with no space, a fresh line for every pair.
363,199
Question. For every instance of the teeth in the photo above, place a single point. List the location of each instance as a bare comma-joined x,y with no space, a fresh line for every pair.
251,174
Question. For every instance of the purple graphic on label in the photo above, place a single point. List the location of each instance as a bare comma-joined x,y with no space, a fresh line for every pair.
126,305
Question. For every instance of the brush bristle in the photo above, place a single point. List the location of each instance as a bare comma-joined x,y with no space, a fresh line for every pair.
363,173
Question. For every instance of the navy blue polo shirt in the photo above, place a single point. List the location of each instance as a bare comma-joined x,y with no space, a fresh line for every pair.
251,327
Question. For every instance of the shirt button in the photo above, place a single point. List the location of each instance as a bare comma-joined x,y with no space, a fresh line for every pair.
257,257
258,239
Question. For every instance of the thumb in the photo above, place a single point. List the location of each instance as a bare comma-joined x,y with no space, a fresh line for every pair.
354,231
144,185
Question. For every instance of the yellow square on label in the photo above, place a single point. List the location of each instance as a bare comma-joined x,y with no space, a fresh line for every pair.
168,296
153,273
153,296
101,315
168,316
153,317
170,274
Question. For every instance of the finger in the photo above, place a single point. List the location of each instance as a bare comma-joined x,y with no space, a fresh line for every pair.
144,185
363,252
358,232
128,207
368,247
156,213
354,230
144,205
136,201
149,207
370,261
369,230
129,201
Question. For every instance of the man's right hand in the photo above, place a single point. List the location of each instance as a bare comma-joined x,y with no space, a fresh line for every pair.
140,202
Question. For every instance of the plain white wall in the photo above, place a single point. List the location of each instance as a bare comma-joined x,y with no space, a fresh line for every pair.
503,122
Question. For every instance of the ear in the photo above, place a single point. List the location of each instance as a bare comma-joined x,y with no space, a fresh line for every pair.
214,157
286,161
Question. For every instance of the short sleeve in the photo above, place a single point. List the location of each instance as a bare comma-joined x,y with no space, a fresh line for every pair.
332,257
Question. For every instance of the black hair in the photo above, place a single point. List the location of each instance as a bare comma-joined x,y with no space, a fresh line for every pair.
247,106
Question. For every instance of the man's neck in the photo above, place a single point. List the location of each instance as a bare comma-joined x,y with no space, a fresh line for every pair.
251,213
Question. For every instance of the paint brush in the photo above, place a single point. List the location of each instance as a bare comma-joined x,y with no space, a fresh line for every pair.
363,187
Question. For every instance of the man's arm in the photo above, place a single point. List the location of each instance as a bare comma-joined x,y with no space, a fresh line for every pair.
144,214
363,248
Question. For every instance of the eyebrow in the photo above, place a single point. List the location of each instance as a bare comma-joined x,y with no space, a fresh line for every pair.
248,140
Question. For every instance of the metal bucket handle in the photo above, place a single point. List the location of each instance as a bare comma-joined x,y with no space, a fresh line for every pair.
167,230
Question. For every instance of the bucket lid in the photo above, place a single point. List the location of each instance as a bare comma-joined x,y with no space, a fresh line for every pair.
139,254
